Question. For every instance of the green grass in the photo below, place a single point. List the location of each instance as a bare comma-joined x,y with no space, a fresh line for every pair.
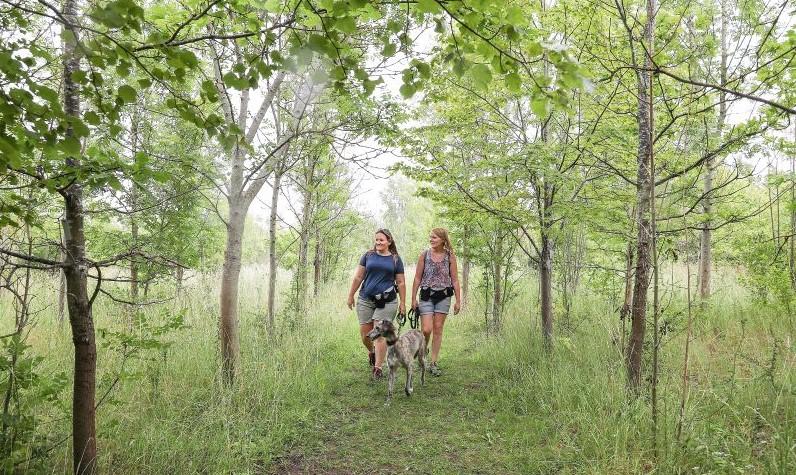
305,404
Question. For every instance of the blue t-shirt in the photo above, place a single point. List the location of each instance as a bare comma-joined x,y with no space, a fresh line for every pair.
380,273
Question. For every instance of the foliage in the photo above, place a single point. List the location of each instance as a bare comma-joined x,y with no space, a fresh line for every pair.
28,387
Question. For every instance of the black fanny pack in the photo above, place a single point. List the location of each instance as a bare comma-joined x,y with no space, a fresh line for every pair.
387,296
435,296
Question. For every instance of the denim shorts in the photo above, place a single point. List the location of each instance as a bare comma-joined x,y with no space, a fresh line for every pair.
367,311
426,307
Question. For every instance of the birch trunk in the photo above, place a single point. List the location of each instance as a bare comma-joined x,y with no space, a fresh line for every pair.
304,244
705,261
228,327
272,269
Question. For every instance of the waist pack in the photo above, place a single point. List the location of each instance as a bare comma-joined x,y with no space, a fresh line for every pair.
387,296
435,296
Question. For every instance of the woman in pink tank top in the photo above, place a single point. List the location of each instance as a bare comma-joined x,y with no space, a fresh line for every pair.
436,277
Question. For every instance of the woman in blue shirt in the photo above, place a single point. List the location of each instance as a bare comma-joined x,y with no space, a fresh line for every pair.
382,293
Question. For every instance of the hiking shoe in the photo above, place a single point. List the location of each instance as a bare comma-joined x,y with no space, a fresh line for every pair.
434,370
372,358
377,374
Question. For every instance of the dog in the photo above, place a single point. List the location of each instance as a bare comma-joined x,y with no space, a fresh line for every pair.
401,351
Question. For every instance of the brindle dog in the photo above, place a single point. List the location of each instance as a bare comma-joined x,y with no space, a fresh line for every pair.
401,351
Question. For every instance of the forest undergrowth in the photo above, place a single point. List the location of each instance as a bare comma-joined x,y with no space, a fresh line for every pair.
304,401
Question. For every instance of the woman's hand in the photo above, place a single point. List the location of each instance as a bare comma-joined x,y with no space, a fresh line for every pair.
350,302
456,308
402,307
414,304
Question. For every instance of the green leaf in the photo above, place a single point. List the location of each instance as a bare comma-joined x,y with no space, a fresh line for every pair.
79,77
78,127
123,69
389,50
234,81
540,105
91,117
394,26
534,48
423,68
10,152
481,74
459,67
516,16
272,5
346,24
70,146
407,90
127,93
428,6
321,44
513,82
114,183
337,73
48,94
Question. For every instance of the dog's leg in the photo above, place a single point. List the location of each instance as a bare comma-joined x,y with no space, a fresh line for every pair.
391,382
409,370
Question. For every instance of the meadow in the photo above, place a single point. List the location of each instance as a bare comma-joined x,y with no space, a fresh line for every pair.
304,401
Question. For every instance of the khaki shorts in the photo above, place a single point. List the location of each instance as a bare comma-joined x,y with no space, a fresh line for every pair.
367,311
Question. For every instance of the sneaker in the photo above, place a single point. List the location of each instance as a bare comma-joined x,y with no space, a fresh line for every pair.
372,359
377,374
434,370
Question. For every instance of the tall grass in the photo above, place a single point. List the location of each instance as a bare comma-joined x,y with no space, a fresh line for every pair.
740,414
566,410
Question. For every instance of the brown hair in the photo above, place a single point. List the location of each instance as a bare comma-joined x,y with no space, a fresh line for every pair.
442,233
393,248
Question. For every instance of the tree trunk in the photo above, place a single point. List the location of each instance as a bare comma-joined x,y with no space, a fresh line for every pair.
316,264
230,339
304,244
133,221
643,195
792,260
546,252
272,270
133,261
240,194
546,289
705,260
179,274
497,284
84,434
61,285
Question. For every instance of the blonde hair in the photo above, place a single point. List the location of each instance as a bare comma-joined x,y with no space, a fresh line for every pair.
442,233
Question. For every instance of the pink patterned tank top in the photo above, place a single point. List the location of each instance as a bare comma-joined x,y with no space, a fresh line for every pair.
436,275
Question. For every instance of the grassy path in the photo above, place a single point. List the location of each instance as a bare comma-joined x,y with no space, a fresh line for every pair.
447,426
